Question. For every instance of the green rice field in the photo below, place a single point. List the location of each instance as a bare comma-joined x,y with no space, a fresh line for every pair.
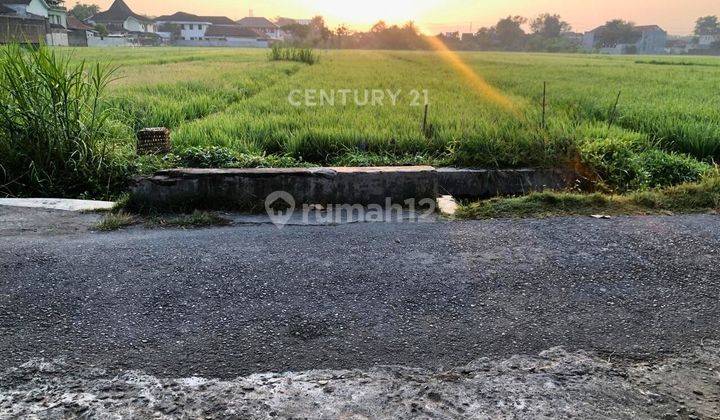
628,122
239,99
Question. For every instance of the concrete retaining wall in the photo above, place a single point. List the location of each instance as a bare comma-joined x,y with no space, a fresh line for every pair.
486,183
247,189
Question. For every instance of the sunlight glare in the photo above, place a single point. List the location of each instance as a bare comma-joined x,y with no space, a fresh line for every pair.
368,12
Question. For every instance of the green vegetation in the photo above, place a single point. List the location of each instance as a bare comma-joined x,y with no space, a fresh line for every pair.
116,220
55,138
700,197
119,218
196,219
231,108
280,52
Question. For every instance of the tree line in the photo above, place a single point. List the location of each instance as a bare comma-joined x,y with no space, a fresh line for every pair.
547,33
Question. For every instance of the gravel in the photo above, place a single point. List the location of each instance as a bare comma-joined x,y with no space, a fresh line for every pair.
555,384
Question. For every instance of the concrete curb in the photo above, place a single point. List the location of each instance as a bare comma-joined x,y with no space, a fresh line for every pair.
57,204
247,189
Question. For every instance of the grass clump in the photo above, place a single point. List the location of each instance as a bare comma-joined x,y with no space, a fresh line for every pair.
223,157
280,52
686,198
197,219
55,137
115,221
631,163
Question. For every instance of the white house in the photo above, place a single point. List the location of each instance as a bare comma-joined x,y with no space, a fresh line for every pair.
234,36
190,27
651,40
706,41
262,26
119,18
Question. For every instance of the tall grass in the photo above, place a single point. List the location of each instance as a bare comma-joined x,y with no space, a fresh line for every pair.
281,52
54,134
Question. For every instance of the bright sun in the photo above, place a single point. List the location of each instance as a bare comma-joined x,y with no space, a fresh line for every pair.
365,12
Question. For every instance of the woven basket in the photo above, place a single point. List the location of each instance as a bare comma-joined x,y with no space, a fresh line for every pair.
152,141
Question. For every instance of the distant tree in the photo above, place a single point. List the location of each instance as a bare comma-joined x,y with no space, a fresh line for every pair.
101,30
174,30
616,32
485,38
708,25
84,11
318,32
549,26
509,32
298,33
382,36
412,37
379,27
342,35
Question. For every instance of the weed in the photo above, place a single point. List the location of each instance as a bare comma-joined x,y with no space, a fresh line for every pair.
116,220
197,219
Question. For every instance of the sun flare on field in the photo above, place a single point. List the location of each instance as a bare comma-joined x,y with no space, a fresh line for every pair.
371,11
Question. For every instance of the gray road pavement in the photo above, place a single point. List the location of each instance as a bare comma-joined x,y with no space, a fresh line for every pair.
231,301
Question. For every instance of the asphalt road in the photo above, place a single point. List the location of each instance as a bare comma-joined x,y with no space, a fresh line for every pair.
231,301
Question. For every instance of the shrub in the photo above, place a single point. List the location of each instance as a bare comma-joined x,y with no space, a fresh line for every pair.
627,164
55,140
665,169
222,157
207,157
281,52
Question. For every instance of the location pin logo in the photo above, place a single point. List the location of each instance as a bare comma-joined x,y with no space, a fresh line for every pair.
280,206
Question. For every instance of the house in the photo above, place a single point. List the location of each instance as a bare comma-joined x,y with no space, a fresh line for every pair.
678,45
78,32
283,21
120,19
52,10
651,39
706,42
467,37
262,26
235,36
189,27
28,29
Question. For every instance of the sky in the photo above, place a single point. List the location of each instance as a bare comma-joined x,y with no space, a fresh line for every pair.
675,16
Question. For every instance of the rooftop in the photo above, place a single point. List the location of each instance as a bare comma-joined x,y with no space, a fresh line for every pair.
189,17
256,22
118,12
75,23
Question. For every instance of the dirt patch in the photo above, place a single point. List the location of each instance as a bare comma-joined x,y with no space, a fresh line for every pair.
555,384
16,221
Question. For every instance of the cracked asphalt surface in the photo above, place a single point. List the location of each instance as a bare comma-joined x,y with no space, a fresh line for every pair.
225,302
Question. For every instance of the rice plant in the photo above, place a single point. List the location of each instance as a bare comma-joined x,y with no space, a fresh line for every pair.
280,52
55,137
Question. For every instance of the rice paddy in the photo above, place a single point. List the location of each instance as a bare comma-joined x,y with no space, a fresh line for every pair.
240,100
